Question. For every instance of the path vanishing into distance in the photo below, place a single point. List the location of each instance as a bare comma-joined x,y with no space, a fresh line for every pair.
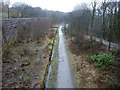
64,79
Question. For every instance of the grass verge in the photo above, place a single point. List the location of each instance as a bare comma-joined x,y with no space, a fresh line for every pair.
85,74
54,64
75,76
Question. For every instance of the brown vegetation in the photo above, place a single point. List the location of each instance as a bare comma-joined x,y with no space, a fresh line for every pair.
25,64
86,74
26,60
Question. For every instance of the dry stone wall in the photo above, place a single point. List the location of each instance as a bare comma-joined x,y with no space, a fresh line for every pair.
10,28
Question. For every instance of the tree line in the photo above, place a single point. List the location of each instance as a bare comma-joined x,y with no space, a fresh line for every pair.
22,10
41,21
100,19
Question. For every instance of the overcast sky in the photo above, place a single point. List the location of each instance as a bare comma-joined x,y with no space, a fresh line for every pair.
56,5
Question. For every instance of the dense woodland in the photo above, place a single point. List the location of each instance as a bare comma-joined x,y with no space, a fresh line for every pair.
100,19
22,10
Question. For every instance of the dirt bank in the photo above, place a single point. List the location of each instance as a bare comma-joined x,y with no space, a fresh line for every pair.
85,74
25,64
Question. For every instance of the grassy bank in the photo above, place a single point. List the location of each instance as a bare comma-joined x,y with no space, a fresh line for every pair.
25,64
76,77
54,64
85,72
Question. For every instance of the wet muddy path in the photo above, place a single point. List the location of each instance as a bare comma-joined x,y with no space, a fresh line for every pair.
64,79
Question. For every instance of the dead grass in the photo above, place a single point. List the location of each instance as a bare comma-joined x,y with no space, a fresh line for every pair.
85,74
24,65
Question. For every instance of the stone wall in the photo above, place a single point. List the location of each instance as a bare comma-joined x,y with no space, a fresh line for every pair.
10,28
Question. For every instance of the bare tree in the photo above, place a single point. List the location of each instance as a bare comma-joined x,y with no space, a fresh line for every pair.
7,3
94,4
19,8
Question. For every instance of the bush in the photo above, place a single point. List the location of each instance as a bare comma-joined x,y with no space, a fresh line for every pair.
51,35
113,83
103,60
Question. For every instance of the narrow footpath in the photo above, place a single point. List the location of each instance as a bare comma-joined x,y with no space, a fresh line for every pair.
64,79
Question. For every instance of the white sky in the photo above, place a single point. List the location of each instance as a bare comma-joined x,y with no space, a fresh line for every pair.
56,5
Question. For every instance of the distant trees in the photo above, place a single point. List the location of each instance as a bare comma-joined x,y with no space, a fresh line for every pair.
0,8
55,16
22,10
18,9
8,3
79,20
6,8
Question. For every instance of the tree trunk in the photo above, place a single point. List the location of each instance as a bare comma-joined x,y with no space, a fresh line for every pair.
8,12
109,46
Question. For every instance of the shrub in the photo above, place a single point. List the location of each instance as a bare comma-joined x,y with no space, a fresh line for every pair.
103,60
113,83
51,35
